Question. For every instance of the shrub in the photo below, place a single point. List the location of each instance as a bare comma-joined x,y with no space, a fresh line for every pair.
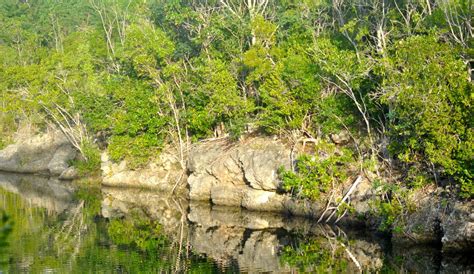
90,162
314,175
430,108
138,129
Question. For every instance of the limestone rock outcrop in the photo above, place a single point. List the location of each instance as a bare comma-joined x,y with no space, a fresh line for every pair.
445,221
458,227
49,153
163,174
243,173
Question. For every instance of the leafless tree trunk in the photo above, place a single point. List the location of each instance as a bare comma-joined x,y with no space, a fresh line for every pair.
380,26
176,117
205,14
71,126
459,20
358,101
121,18
339,14
107,25
57,33
252,7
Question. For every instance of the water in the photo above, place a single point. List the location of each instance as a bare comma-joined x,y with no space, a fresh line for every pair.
59,227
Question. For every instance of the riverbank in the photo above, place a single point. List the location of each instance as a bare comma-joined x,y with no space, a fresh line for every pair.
244,174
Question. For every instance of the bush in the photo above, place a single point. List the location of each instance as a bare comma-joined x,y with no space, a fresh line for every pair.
137,128
430,108
392,207
213,98
90,162
314,175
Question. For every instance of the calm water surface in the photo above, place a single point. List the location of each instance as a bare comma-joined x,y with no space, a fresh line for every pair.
47,226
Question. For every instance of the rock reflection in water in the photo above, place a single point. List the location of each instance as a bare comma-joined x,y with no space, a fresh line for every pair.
49,193
62,228
240,239
256,241
45,219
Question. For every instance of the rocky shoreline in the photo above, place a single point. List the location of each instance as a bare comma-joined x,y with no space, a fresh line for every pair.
46,154
243,174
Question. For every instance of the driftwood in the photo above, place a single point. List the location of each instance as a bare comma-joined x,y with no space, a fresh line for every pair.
346,197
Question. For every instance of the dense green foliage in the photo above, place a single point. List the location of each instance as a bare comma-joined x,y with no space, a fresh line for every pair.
433,122
144,74
317,174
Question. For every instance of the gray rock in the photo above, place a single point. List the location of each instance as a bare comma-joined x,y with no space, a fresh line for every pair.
368,254
204,155
228,171
244,174
238,173
422,223
69,174
226,195
208,215
222,243
48,153
341,138
260,253
200,187
61,159
361,197
458,228
304,208
49,193
254,240
170,211
164,173
262,200
436,219
261,160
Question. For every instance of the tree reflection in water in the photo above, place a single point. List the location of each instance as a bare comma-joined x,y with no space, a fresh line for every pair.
56,226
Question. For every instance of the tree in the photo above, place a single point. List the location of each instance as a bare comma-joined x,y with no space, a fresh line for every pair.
430,103
346,72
